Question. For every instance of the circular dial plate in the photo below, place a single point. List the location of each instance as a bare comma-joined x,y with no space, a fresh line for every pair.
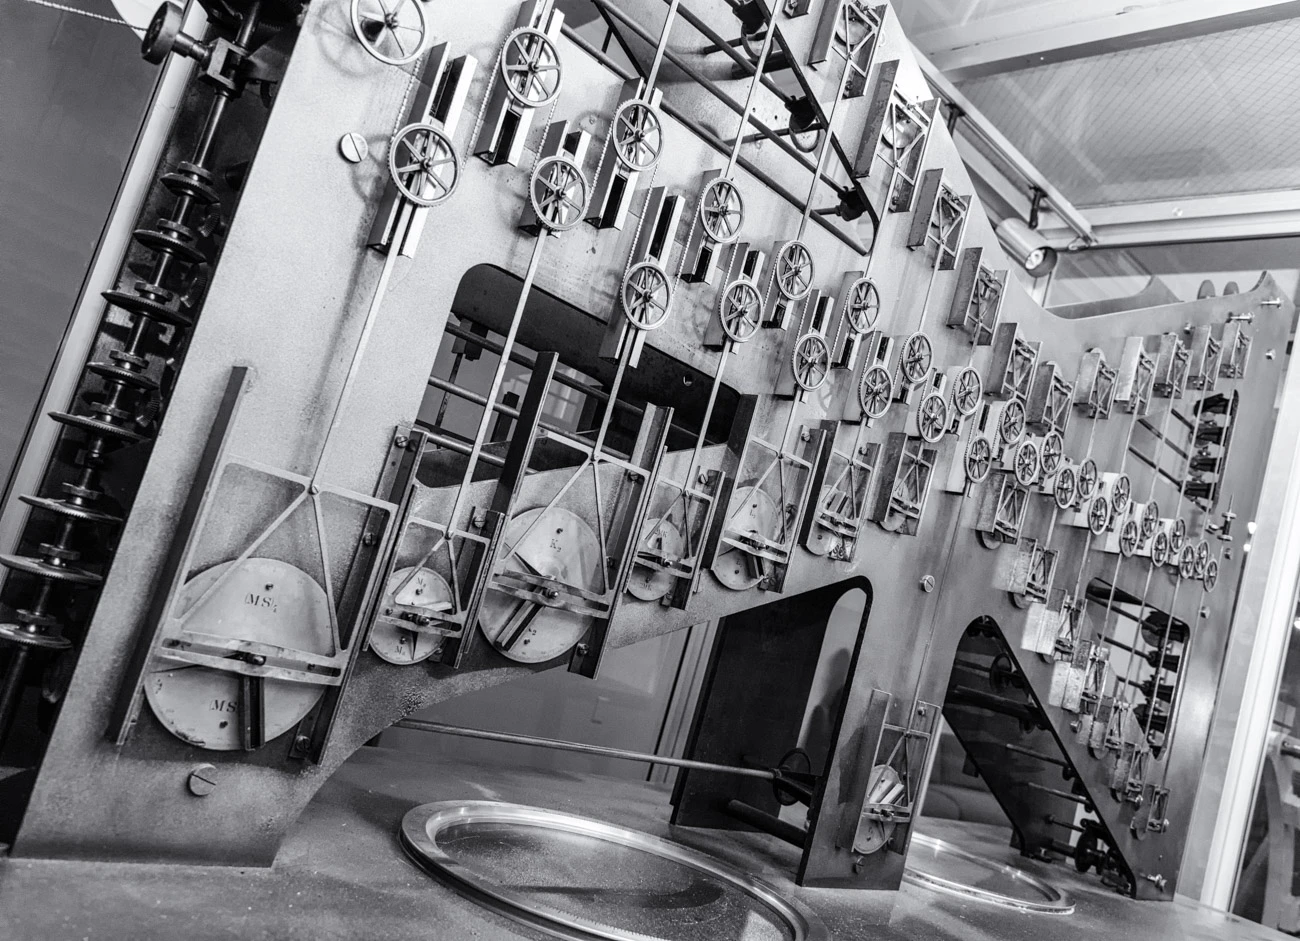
561,547
427,590
751,511
266,601
665,540
876,833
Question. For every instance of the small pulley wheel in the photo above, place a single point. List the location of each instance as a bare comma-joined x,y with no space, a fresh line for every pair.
1087,478
967,390
794,271
645,295
392,31
1202,558
875,392
932,417
1065,490
1187,561
1026,463
979,459
558,192
740,309
1160,549
722,211
811,361
863,305
530,67
1211,576
423,163
916,358
638,135
1178,537
1120,493
1098,515
1150,520
1128,538
1052,453
160,37
1011,426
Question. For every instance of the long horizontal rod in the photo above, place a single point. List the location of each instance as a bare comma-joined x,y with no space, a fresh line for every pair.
420,725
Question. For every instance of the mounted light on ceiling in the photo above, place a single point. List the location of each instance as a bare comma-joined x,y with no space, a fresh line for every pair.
1023,242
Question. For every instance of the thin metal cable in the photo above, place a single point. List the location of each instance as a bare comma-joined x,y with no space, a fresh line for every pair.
77,11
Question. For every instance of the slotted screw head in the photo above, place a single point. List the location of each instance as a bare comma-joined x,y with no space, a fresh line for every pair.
202,780
353,147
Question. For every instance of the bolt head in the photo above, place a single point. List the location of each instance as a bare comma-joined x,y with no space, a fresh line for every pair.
401,441
353,147
368,539
927,583
202,781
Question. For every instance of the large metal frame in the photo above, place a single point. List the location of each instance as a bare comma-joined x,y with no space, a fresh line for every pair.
479,257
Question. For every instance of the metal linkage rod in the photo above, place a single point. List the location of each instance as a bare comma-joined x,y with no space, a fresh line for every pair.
420,725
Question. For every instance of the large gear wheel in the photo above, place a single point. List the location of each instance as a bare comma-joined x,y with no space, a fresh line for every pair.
875,392
1202,558
917,356
1178,535
1011,426
979,459
863,305
1128,538
1087,478
1187,561
794,271
740,310
423,163
1160,549
646,294
967,390
932,417
558,192
1051,455
811,361
1098,515
1065,489
1120,494
1026,463
1211,577
530,67
722,211
638,135
1150,519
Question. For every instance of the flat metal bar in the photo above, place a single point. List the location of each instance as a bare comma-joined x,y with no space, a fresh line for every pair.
441,728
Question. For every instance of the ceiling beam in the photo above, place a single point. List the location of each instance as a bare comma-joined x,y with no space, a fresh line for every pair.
1062,30
1272,214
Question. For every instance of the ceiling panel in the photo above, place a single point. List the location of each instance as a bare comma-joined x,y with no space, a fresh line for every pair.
1201,116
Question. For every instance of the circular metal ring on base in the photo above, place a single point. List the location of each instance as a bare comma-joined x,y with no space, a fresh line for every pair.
571,877
1038,896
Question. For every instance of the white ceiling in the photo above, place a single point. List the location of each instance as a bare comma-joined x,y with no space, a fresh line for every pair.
1193,116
